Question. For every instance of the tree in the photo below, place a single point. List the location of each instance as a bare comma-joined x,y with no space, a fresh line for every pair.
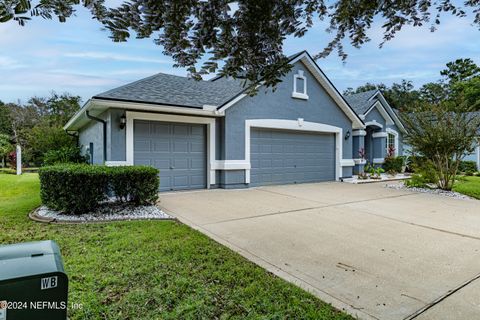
366,87
441,136
433,92
470,91
43,138
56,109
460,70
244,38
37,125
5,119
5,147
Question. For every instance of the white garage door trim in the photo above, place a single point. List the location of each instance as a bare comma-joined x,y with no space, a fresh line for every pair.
210,122
298,125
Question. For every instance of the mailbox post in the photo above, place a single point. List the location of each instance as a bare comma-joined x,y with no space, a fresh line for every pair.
33,283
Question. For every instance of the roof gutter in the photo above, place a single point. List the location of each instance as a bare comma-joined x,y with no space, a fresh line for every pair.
104,133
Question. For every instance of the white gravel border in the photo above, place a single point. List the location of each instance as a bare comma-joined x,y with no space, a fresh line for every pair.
440,192
383,178
103,214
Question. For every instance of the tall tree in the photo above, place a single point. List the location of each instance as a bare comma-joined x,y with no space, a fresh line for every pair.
245,37
5,119
433,92
460,70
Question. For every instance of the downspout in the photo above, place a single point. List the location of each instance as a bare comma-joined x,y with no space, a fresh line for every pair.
104,133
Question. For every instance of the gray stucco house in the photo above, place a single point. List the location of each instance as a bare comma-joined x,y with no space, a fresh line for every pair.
206,134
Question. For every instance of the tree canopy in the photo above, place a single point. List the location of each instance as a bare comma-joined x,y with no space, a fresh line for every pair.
460,82
245,38
38,124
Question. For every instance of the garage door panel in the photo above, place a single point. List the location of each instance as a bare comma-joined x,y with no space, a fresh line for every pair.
291,157
143,145
177,150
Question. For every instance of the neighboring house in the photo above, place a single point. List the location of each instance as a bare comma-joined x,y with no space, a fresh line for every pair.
206,134
384,130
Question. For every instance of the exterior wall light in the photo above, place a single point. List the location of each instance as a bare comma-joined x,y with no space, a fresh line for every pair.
347,135
123,121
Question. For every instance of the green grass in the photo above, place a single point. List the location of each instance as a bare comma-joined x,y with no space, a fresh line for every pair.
153,269
469,186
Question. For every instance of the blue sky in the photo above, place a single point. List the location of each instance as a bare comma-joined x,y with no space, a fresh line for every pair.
78,57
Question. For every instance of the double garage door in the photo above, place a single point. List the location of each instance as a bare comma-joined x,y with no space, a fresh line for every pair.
281,157
178,150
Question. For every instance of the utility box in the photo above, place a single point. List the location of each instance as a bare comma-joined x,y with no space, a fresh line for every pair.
33,283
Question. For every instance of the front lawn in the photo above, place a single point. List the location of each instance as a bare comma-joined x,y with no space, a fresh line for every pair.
153,269
469,186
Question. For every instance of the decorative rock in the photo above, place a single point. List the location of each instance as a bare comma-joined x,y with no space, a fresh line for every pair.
451,194
109,212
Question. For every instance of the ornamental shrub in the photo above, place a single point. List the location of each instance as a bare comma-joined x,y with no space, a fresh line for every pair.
81,188
393,164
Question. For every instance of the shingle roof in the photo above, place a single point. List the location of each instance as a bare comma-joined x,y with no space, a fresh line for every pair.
359,101
169,89
174,90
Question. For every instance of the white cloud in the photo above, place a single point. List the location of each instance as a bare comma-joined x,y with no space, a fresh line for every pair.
7,63
113,56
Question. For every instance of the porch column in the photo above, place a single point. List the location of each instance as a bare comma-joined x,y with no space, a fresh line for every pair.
379,147
358,148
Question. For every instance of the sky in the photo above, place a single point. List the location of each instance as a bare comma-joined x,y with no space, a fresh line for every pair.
78,57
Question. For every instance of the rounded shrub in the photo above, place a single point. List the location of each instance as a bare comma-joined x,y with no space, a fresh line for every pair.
81,188
73,188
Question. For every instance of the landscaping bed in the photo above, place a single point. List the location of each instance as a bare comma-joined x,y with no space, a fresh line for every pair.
153,269
451,194
107,212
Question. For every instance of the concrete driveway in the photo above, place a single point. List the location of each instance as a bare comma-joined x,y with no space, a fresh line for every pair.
374,252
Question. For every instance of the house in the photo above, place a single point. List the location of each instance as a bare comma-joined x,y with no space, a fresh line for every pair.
207,134
383,129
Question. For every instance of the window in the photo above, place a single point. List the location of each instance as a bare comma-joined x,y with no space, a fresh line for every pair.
392,143
299,86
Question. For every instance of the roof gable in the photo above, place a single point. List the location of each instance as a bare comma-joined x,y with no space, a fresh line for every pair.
364,102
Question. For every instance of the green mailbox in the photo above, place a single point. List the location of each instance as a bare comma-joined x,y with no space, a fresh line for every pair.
33,283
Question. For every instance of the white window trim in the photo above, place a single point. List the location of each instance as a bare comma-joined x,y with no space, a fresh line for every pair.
209,122
378,160
396,143
295,93
298,126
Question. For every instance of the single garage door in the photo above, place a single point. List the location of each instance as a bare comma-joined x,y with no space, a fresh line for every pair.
281,156
178,150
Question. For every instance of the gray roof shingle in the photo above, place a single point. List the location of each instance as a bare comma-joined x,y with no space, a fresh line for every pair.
174,90
359,101
169,89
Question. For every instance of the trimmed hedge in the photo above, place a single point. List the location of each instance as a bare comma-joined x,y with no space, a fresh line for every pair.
80,188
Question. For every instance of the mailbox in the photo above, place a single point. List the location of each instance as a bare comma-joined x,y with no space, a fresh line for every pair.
33,283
